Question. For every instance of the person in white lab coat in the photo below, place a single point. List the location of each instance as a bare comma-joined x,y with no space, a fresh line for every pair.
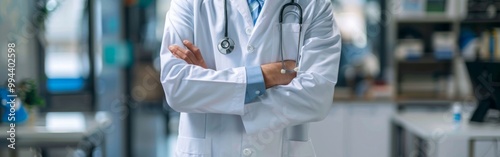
239,104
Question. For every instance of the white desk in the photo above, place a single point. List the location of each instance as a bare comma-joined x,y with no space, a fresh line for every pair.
437,136
59,129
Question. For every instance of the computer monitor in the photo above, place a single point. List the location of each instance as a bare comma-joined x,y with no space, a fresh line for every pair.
485,78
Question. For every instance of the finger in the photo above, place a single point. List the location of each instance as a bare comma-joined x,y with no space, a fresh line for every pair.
173,48
176,51
193,49
190,55
183,57
176,56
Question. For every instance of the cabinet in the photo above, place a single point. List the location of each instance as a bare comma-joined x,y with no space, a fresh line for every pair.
354,129
429,46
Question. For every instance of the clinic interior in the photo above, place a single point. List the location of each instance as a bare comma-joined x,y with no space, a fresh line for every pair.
416,78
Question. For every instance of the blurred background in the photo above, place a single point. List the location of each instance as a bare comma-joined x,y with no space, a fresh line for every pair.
417,78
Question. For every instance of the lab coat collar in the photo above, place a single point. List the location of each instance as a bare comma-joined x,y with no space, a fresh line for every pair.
267,18
242,7
267,13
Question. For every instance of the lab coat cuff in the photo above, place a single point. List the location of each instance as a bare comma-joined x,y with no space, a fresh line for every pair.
255,83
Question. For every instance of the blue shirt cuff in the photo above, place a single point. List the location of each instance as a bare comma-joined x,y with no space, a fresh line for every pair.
255,83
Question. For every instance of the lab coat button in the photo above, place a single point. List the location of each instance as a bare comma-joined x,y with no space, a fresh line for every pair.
250,48
248,31
247,152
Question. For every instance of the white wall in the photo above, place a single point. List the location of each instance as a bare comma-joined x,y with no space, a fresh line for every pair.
16,23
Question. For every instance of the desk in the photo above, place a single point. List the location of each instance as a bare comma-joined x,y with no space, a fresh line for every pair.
435,135
84,131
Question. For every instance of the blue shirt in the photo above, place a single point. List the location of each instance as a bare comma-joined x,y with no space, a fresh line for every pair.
255,83
257,7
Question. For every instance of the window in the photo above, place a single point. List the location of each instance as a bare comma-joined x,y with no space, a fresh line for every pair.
66,48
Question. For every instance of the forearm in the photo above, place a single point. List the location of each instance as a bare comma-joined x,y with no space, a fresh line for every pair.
190,88
273,76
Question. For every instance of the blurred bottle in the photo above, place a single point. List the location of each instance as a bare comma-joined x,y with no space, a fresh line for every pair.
457,114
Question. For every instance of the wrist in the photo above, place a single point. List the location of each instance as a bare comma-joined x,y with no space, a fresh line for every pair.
268,75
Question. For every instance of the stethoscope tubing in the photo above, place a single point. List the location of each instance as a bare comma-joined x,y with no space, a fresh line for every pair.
282,56
281,19
226,45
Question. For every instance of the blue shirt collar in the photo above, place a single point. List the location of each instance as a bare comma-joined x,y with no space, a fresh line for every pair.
261,2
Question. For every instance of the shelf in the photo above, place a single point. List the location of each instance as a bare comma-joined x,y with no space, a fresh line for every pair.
475,21
429,18
424,67
426,80
424,61
343,94
430,101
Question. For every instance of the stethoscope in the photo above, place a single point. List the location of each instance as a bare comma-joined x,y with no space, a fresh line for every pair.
226,45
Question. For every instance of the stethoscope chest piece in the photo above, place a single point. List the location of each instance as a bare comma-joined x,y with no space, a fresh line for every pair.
226,46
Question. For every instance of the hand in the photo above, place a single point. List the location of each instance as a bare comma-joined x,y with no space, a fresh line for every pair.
191,56
273,76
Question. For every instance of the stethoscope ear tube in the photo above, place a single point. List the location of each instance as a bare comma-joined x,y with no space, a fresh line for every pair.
297,60
288,5
283,67
284,71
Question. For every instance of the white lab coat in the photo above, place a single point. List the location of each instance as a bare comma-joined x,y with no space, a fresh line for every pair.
214,120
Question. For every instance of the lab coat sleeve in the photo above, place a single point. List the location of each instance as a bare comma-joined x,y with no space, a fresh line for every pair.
309,96
190,88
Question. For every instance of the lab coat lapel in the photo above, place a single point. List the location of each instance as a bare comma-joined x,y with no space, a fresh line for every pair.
266,17
242,7
267,13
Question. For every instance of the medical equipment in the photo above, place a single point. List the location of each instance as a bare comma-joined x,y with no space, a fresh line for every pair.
299,15
226,45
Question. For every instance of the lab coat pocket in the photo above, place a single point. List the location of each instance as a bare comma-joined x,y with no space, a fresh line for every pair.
193,147
299,149
290,40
